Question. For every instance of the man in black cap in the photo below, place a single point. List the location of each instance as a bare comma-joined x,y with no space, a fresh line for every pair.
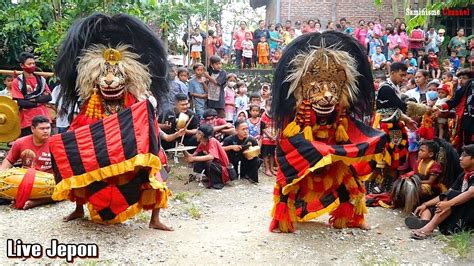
209,158
452,210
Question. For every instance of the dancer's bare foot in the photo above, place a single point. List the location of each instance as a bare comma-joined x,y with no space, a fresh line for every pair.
76,214
274,172
268,173
33,203
155,222
160,226
364,226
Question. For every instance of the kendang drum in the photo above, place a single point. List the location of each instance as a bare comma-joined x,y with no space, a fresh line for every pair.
252,152
10,182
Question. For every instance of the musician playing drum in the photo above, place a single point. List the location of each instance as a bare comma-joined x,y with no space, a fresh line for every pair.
236,145
169,119
33,151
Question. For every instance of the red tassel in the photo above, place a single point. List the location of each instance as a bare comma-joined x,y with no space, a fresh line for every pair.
24,190
282,217
341,216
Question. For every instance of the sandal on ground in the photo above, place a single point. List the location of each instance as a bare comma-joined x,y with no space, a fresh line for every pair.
413,222
420,235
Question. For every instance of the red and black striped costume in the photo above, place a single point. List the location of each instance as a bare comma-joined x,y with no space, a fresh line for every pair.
111,164
315,178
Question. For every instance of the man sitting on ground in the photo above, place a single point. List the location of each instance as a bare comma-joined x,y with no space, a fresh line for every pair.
452,210
235,145
33,151
209,158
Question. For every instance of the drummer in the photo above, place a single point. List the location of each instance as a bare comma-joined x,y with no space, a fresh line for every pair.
209,158
235,145
168,121
33,151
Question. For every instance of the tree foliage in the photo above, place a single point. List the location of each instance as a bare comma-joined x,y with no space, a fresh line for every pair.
39,26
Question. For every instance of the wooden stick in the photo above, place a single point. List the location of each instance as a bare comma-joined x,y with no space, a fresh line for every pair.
18,72
186,127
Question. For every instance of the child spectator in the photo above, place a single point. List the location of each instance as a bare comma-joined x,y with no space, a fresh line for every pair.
447,78
455,61
215,87
254,122
242,100
182,81
198,90
256,100
263,51
422,60
265,94
433,64
377,27
442,120
268,141
410,61
174,87
378,59
196,46
397,56
230,98
447,66
393,41
247,52
276,57
7,91
374,42
241,115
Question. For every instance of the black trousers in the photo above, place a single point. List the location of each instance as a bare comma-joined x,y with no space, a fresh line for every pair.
248,168
238,59
212,170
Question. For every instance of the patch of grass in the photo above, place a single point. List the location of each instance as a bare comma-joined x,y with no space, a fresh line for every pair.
193,211
371,260
143,217
182,196
197,194
459,242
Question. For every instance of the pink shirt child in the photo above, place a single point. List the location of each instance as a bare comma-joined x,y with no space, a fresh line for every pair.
229,99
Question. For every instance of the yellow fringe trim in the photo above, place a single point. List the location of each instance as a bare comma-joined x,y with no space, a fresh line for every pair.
377,119
291,130
326,160
62,190
359,205
308,133
313,215
341,131
148,198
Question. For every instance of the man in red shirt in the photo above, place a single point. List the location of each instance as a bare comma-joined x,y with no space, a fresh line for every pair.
31,92
33,151
210,158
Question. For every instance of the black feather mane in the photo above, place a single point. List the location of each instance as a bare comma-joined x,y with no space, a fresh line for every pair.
283,108
110,31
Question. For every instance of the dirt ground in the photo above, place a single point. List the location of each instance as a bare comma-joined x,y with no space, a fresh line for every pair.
223,226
